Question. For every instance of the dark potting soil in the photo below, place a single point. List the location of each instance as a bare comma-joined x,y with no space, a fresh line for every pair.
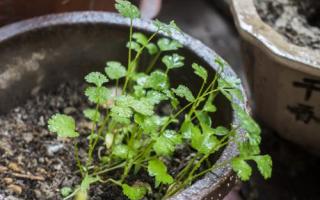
297,20
35,164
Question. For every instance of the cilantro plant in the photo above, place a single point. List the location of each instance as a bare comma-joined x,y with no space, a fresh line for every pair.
134,137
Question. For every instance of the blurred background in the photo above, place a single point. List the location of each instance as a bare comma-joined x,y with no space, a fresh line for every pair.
296,172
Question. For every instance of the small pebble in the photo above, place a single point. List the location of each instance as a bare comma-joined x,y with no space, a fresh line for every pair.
54,148
3,169
8,180
28,137
15,167
15,188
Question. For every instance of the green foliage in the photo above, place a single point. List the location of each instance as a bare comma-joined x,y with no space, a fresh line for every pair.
63,125
134,192
127,9
115,70
183,91
174,61
65,191
158,169
141,127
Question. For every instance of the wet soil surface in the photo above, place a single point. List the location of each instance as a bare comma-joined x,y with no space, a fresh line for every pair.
297,20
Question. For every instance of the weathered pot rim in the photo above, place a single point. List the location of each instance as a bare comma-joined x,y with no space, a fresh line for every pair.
212,182
253,29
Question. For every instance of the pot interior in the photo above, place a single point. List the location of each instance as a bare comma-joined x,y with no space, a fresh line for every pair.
43,58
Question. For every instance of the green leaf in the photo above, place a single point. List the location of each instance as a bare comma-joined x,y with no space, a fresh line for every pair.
115,70
123,151
200,71
87,181
150,124
184,92
174,61
208,106
134,192
264,164
157,81
229,86
92,114
221,131
96,78
247,123
166,28
155,97
140,38
134,46
152,48
158,169
203,118
166,143
127,9
204,143
65,191
63,125
246,149
98,95
142,106
121,114
242,168
166,44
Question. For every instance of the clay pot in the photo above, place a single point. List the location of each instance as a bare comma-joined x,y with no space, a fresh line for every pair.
284,78
40,53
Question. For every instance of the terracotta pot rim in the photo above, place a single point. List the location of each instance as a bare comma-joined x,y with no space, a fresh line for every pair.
253,29
213,185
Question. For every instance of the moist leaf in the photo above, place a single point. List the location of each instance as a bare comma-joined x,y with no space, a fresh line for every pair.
115,70
127,9
142,106
166,44
264,164
121,114
166,143
203,142
92,114
97,78
166,28
247,123
63,126
157,81
98,95
134,192
158,169
150,124
155,97
174,61
184,92
200,71
242,168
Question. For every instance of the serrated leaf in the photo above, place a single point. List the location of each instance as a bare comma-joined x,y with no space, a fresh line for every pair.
152,48
158,169
155,97
174,61
92,114
127,9
229,86
166,44
115,70
123,151
166,28
134,192
63,126
247,123
150,124
157,81
121,114
204,143
98,95
166,143
264,164
96,78
184,92
140,38
200,71
242,168
134,46
142,106
208,106
247,150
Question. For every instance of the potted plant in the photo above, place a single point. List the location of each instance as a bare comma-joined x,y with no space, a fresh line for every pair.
154,127
282,65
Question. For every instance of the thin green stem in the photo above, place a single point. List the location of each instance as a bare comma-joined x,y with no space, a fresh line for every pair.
153,62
